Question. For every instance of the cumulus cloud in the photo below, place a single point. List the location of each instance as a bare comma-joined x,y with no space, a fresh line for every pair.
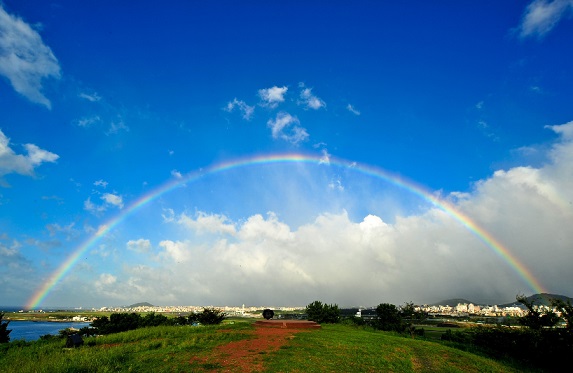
113,199
245,109
205,223
272,97
140,245
422,257
309,100
24,58
541,16
288,128
10,162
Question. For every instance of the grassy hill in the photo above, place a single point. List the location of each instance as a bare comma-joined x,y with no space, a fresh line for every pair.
333,348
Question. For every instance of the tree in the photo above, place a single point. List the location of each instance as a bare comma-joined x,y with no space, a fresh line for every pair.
389,318
411,316
566,310
536,319
211,316
323,313
4,332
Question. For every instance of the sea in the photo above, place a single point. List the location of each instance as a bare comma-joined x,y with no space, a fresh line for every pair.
32,330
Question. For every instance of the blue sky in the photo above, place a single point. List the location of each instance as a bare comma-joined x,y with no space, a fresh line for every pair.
100,104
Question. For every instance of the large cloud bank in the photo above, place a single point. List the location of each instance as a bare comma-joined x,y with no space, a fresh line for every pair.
422,258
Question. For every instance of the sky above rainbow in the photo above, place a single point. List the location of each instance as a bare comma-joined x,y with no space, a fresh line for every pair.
276,154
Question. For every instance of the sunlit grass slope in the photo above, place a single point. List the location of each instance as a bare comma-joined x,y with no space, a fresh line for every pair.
334,348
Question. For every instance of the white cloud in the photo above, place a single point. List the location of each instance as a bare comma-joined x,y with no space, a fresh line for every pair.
365,262
88,121
92,97
309,100
176,174
288,128
541,16
140,246
205,223
109,199
117,126
25,60
325,159
352,109
113,199
101,183
10,162
271,97
245,109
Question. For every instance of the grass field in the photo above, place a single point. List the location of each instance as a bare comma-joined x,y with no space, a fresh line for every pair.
333,348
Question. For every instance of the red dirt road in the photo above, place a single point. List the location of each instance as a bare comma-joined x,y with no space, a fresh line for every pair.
247,355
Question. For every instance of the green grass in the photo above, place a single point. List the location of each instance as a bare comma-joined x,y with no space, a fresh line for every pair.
333,348
340,348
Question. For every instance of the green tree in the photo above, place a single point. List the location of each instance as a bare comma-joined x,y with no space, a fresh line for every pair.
323,313
4,331
536,319
566,310
211,316
153,319
389,318
410,317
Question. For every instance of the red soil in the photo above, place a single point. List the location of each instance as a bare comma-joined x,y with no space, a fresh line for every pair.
247,355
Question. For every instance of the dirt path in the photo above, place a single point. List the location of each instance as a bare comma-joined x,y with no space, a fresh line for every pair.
247,355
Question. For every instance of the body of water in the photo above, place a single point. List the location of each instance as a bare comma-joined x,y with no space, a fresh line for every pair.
32,330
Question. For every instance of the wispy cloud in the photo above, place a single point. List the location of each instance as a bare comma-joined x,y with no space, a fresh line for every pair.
272,97
541,16
92,97
25,59
308,99
10,162
352,109
116,126
288,128
245,109
88,121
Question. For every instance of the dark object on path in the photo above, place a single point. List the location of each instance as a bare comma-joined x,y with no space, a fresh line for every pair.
74,340
268,314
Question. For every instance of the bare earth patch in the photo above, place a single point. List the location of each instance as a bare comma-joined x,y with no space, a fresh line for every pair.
247,355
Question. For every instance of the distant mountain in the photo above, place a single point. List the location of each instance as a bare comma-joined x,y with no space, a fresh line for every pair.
538,299
543,299
451,302
143,304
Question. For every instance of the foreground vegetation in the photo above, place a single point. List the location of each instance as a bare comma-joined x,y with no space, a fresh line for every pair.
337,347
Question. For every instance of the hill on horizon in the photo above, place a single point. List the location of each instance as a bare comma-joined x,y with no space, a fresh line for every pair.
141,304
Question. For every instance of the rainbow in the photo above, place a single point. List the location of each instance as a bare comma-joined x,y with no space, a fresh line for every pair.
497,247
